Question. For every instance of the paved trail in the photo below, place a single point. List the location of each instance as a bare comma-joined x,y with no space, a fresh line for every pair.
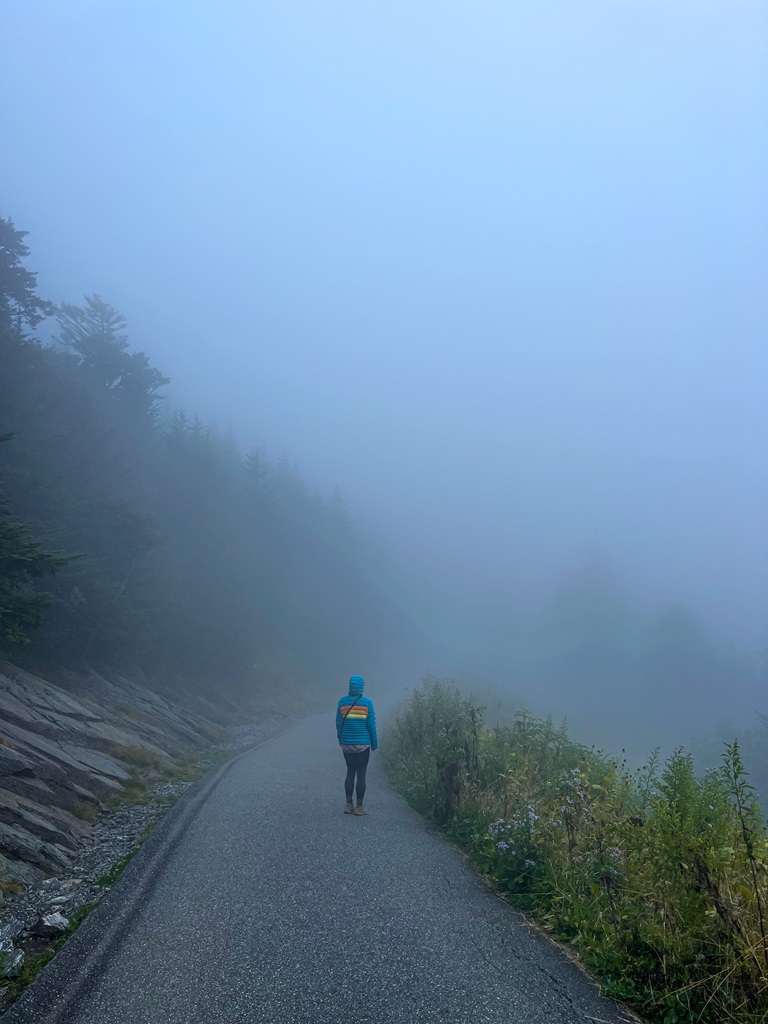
262,902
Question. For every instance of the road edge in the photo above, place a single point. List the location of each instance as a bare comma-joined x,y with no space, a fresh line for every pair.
81,961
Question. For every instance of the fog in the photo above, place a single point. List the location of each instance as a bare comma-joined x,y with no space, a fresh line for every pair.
497,270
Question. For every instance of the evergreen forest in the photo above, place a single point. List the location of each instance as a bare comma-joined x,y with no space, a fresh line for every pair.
137,538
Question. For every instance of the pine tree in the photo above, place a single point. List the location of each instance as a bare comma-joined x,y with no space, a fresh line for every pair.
94,334
22,561
20,306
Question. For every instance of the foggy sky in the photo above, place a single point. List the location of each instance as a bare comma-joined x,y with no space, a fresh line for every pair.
498,269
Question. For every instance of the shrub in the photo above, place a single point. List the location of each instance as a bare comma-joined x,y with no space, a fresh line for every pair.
86,811
135,790
132,754
213,733
12,888
659,877
129,711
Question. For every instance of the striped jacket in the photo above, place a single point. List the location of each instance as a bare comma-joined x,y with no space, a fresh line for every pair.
357,725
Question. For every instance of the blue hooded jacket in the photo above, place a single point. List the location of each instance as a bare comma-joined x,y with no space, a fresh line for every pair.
359,725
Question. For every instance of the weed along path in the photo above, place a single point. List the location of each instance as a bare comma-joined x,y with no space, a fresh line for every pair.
258,900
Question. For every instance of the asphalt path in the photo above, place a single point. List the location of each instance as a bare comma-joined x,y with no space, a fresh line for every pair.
259,900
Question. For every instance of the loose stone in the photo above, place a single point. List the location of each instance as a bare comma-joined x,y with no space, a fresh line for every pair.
11,963
50,925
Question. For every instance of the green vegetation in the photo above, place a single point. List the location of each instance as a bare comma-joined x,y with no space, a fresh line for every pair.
80,915
137,789
185,771
129,711
35,962
86,811
32,966
212,759
146,770
194,766
658,877
214,733
23,561
114,874
135,755
194,561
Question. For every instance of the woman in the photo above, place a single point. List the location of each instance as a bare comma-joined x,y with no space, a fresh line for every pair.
356,732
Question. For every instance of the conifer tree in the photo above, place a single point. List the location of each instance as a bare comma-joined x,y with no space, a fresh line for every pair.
94,332
23,560
20,306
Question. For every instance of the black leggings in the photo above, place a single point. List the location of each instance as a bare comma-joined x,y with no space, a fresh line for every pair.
357,763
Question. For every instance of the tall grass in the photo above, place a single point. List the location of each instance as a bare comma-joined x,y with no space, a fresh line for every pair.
658,876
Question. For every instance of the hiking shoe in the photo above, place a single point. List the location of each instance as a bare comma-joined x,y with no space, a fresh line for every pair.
349,809
360,809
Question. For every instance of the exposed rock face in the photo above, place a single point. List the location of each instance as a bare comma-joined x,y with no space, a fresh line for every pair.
114,836
65,748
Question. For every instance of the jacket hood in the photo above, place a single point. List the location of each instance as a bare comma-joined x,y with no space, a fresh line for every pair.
356,685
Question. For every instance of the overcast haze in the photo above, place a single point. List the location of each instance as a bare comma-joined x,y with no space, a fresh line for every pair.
497,269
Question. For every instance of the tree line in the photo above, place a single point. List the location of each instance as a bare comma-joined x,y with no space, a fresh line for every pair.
143,540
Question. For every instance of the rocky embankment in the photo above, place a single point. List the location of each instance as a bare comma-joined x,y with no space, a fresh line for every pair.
66,748
33,918
87,766
36,918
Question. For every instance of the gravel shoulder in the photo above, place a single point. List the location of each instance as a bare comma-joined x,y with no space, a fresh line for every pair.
34,922
258,900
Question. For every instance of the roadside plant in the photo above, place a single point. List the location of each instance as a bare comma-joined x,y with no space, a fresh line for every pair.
657,876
